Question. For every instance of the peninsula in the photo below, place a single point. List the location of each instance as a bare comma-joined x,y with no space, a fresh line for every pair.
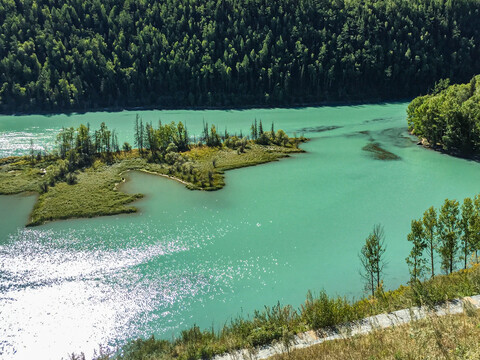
80,177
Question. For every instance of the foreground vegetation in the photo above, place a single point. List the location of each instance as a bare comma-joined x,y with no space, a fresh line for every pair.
319,312
91,54
446,337
80,178
449,118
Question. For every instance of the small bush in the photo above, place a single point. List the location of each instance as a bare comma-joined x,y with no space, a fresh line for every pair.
43,188
71,178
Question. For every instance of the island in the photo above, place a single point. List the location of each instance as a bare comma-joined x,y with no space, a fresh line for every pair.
80,177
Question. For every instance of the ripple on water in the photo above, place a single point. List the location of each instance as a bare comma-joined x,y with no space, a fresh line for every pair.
17,143
55,283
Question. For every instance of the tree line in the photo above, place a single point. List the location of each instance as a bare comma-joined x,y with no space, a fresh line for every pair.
449,117
90,54
450,235
163,144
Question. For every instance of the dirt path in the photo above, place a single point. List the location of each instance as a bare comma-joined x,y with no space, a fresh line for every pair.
360,327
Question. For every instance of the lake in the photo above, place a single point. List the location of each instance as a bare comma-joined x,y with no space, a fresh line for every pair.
189,257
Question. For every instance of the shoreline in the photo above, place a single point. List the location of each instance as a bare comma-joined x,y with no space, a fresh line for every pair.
422,142
57,204
80,111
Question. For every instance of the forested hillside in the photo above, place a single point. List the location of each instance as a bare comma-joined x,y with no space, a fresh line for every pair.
83,54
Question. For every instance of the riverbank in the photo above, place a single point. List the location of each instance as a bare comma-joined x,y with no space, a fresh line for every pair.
320,316
296,105
423,142
94,191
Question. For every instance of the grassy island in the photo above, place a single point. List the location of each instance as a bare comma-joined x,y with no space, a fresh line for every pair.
80,178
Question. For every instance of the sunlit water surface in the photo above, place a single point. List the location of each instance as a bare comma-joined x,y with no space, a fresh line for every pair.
189,257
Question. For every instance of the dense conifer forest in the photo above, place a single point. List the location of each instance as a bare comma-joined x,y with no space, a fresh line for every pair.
86,54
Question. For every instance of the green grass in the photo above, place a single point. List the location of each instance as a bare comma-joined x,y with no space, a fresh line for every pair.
95,192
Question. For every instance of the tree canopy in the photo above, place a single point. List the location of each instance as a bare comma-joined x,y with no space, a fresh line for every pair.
449,118
62,55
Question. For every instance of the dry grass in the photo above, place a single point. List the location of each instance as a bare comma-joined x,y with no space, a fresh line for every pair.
447,337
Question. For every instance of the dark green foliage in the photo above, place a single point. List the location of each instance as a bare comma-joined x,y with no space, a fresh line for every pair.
71,179
449,118
90,54
126,147
43,188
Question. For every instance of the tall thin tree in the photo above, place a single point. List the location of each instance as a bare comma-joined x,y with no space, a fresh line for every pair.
467,224
416,261
371,257
430,232
448,229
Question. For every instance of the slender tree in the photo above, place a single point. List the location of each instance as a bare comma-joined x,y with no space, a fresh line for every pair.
137,132
467,224
32,153
430,233
416,260
371,257
141,137
449,231
476,227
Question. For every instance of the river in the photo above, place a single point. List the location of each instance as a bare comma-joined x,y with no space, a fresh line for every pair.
190,257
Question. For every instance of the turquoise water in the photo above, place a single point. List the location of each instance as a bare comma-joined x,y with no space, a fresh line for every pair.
274,232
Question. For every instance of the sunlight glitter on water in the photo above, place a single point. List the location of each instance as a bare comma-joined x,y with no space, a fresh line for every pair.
16,143
274,232
82,292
